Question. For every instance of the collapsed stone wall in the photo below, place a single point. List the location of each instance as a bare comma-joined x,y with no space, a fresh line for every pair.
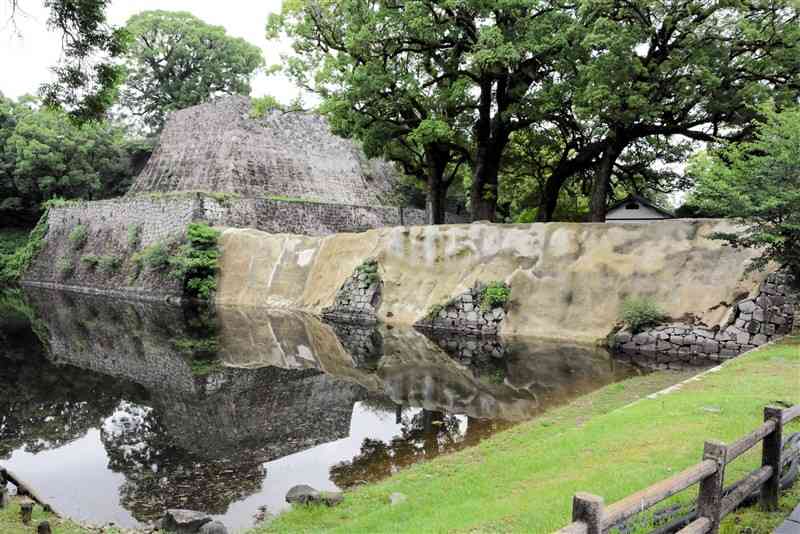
464,313
358,299
766,314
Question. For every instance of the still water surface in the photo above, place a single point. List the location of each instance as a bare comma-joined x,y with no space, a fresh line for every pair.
115,411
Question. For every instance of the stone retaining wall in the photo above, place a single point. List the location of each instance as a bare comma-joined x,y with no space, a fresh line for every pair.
464,314
163,219
768,313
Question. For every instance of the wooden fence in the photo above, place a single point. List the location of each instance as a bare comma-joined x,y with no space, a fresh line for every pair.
591,516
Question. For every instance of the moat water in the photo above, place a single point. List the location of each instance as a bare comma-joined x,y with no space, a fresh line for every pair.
115,411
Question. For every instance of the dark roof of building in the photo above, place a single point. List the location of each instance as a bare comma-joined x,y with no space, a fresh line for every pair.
643,201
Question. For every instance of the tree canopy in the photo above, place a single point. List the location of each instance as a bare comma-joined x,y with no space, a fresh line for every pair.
175,60
45,154
758,183
609,89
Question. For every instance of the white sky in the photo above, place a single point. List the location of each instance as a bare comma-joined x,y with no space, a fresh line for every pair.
28,51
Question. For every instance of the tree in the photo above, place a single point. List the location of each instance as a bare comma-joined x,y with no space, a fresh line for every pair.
758,183
46,154
693,69
379,89
87,77
443,83
175,60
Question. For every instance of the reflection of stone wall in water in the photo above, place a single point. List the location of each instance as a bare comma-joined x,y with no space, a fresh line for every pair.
214,430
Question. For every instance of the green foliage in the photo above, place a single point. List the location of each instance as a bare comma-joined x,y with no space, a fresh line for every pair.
65,267
109,264
757,182
639,313
134,236
196,262
434,311
13,266
263,105
44,154
78,237
176,60
370,270
91,261
154,257
496,294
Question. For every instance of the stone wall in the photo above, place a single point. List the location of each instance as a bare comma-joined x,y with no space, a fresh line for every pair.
163,219
464,313
358,299
218,146
767,313
108,225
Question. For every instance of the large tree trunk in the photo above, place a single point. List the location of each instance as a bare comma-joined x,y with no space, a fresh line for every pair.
602,181
548,201
436,200
483,196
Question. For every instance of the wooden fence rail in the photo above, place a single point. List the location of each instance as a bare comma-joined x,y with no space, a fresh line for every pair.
591,516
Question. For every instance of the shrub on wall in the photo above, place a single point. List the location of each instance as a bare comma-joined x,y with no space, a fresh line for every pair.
78,237
155,257
641,312
197,261
65,267
109,264
134,236
90,261
495,295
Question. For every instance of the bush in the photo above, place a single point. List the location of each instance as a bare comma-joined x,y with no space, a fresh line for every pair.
155,257
65,267
78,236
370,269
197,261
495,295
641,312
12,266
90,261
109,264
134,236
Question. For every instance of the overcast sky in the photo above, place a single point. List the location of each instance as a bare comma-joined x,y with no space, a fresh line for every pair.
28,50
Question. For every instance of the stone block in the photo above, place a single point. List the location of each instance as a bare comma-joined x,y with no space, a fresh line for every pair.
711,347
743,338
759,339
747,306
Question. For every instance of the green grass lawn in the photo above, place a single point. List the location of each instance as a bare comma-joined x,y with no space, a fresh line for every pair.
523,479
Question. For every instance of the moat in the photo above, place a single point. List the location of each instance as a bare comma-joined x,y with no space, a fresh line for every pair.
115,411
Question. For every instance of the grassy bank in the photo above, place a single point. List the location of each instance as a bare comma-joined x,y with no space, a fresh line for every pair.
522,480
10,522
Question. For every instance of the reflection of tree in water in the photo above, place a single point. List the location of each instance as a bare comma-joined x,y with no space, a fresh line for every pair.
45,406
159,474
424,435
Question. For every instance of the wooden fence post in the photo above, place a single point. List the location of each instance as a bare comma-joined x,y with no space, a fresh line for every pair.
709,500
589,509
771,456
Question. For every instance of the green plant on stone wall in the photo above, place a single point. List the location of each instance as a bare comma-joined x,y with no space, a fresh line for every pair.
196,262
434,311
134,236
496,294
109,264
370,271
78,237
154,257
65,267
639,313
90,261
